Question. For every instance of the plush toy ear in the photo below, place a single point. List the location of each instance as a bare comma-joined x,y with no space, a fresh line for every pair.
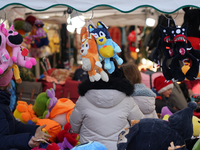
186,9
1,27
49,94
101,25
53,92
90,28
83,31
3,30
11,28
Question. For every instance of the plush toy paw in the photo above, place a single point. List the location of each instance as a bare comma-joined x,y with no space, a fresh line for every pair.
97,77
104,76
119,61
33,61
117,50
14,59
1,71
98,64
6,56
107,66
28,65
91,78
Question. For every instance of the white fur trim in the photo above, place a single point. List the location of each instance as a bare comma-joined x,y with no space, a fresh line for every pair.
169,86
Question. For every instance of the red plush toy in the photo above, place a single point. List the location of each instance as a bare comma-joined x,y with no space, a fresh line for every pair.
53,146
71,137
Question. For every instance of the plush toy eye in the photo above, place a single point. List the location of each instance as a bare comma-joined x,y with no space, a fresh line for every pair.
101,33
95,35
10,32
87,45
82,45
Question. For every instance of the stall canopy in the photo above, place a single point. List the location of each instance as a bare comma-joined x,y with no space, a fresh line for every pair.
111,12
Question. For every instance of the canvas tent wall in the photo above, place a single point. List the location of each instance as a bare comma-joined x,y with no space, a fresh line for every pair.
111,12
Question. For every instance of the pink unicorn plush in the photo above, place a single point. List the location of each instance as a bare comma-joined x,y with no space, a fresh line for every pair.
5,60
19,53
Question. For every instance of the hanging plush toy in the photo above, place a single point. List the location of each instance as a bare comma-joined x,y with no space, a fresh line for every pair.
19,53
90,57
39,36
107,48
179,36
5,59
165,44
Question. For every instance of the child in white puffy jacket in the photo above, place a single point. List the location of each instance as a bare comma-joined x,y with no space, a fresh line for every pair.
104,109
143,96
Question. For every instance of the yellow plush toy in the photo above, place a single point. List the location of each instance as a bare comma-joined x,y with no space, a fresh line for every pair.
14,67
196,126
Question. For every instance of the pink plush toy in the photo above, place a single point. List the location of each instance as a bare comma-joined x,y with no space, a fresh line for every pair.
19,53
5,60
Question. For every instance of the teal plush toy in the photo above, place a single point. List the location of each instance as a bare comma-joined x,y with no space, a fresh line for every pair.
107,48
93,145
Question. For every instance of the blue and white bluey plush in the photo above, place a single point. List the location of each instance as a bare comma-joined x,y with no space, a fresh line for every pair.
93,145
107,48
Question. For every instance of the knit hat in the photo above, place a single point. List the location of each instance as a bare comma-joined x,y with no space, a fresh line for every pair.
5,79
161,84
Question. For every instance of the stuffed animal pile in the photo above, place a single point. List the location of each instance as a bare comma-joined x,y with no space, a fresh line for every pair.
97,46
176,48
53,112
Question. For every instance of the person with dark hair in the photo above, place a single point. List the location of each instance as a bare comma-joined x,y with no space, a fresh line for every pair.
104,109
143,96
15,135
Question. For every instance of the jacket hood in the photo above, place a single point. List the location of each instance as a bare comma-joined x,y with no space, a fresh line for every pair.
4,97
142,90
105,98
115,83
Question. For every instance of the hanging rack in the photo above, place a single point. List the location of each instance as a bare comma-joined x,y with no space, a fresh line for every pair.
171,18
4,17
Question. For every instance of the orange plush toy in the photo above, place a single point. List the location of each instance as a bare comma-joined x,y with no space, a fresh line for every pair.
90,57
24,112
62,111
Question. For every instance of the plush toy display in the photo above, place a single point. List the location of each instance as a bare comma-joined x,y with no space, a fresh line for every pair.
5,59
157,134
90,57
67,133
176,48
19,53
107,48
93,145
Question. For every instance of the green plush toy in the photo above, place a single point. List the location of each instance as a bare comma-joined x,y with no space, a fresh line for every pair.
44,102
